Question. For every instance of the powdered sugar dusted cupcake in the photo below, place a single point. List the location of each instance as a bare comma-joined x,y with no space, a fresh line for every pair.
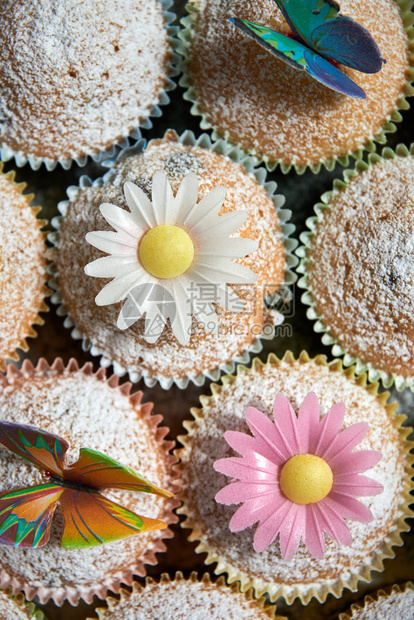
101,69
280,114
289,554
389,604
186,599
87,411
358,266
225,230
22,268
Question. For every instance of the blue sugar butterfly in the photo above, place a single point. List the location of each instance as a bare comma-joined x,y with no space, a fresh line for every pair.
321,36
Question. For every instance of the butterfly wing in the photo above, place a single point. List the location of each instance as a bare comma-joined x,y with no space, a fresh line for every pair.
301,57
319,25
91,519
26,515
330,76
42,449
99,471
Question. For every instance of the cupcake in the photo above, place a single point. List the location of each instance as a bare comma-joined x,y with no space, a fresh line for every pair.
22,268
222,235
388,604
186,599
101,71
17,608
314,540
86,411
282,115
357,262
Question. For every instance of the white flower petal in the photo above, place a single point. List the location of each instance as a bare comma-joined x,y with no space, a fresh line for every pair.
140,205
233,247
225,225
131,311
209,318
111,266
154,325
121,220
206,211
185,200
224,271
111,242
119,288
181,325
162,197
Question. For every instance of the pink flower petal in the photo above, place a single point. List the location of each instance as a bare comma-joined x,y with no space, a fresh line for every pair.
292,530
253,510
314,537
286,424
237,492
355,462
333,524
348,507
269,528
346,441
356,485
267,434
251,468
329,427
308,422
243,443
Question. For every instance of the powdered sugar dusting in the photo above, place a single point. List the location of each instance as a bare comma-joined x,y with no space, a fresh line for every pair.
268,107
361,266
206,350
100,68
22,268
185,600
206,445
89,413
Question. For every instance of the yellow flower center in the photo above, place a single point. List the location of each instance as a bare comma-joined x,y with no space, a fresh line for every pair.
306,479
166,251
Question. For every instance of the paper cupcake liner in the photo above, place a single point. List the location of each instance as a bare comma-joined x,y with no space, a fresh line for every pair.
319,327
21,159
222,148
20,602
165,579
23,346
274,591
370,599
381,137
74,593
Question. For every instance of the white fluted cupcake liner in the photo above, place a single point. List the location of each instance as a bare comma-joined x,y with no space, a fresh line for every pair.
223,148
21,159
361,367
380,138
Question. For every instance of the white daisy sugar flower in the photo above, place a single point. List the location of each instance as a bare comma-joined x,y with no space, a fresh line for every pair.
164,251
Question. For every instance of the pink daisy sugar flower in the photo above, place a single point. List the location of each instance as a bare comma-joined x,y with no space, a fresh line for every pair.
298,476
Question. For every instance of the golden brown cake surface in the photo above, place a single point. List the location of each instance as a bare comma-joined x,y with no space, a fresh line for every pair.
361,266
304,575
184,599
87,411
260,103
22,269
206,350
76,77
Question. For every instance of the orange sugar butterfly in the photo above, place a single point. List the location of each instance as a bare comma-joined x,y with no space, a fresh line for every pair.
90,518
